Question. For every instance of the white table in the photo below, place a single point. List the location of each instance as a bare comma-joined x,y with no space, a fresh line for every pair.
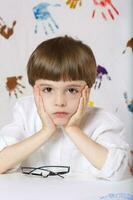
16,186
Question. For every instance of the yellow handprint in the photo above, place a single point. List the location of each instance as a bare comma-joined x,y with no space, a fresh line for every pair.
91,103
73,3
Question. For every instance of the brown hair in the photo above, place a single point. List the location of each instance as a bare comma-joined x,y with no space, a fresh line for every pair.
62,58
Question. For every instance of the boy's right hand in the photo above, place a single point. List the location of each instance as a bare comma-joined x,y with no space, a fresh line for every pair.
47,123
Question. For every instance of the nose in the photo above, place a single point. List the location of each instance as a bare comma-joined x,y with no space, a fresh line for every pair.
60,100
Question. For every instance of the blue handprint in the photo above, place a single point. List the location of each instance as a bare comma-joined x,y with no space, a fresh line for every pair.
129,103
43,15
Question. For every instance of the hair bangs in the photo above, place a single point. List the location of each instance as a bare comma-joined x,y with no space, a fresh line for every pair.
64,59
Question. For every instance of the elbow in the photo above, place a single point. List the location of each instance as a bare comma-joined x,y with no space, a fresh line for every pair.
5,170
2,171
116,167
121,173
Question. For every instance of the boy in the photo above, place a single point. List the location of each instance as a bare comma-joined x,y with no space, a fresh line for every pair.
56,127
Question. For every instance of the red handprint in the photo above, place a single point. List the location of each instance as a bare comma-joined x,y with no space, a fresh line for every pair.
106,6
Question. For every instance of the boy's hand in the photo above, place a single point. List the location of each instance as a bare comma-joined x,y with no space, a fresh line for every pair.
47,123
76,118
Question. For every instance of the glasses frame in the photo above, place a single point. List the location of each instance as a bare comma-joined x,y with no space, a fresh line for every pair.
45,168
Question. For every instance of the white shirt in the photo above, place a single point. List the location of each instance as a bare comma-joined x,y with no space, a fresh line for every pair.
101,126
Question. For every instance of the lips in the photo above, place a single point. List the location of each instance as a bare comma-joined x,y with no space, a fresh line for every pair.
60,114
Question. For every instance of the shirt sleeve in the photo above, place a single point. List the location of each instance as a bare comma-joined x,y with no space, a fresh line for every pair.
116,165
13,132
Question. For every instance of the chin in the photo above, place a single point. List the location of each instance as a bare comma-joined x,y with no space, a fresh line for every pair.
60,122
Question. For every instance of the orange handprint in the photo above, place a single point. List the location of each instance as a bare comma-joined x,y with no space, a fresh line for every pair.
107,7
73,3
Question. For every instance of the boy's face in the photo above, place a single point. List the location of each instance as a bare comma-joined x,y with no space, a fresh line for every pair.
61,98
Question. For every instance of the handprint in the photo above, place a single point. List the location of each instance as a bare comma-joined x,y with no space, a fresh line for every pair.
44,17
129,103
101,71
73,3
6,31
13,85
129,44
106,7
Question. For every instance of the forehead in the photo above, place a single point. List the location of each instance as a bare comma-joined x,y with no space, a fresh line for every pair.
60,84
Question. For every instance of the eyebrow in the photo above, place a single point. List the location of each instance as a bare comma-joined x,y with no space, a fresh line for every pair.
71,85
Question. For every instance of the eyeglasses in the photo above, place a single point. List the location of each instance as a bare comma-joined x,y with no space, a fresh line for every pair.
46,171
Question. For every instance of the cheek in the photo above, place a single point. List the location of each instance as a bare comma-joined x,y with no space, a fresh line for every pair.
47,102
73,103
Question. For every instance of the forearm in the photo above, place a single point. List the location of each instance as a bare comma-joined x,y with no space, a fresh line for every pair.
16,153
95,153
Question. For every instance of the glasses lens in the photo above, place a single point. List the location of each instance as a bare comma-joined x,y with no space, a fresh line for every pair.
55,169
40,172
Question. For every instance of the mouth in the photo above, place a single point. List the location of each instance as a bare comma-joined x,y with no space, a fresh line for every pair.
60,114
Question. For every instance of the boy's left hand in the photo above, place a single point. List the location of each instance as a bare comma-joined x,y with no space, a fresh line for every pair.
76,118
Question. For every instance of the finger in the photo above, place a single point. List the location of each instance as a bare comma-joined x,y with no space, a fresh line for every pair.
84,95
80,107
41,99
88,94
71,5
74,4
68,2
36,95
78,113
45,116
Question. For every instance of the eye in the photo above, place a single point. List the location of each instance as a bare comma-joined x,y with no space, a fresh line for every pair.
73,90
47,90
